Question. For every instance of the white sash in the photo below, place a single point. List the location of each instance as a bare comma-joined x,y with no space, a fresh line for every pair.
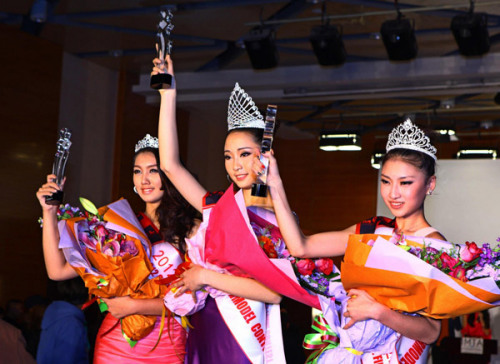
165,258
256,326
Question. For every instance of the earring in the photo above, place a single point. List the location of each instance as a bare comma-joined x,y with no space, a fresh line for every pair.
228,178
429,192
135,190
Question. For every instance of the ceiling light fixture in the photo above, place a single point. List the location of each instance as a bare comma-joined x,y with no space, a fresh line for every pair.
327,43
471,32
39,11
376,159
330,142
477,154
261,48
446,135
399,37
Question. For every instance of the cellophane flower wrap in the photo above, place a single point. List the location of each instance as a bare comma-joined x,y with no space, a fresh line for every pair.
429,276
111,252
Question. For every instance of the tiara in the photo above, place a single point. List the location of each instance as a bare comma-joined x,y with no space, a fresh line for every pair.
242,112
409,136
147,142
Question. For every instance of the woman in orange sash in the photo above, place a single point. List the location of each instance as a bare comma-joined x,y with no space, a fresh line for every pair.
407,176
167,220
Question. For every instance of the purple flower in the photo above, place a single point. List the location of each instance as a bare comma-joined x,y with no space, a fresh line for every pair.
111,248
128,247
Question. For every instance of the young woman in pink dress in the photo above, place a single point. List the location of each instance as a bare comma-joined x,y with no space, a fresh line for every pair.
167,219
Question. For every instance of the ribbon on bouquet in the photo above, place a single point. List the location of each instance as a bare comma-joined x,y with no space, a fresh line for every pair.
324,339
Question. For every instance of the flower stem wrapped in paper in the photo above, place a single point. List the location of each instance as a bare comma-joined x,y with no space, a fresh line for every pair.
421,275
110,251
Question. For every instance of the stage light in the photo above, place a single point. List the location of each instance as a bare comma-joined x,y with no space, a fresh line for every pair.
477,154
471,33
327,44
399,39
376,160
261,48
330,142
446,135
39,11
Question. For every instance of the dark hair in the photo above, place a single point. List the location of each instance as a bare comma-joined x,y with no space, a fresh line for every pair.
72,290
175,215
256,133
420,160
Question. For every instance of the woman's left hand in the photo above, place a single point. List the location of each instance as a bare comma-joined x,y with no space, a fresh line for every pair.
192,280
361,306
119,307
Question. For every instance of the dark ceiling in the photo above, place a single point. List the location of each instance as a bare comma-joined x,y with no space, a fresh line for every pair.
368,92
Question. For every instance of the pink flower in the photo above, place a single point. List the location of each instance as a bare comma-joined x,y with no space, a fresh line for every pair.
470,252
324,265
87,240
459,273
305,267
448,262
111,248
101,233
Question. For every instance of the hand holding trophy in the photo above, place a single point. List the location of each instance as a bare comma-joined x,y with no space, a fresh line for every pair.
259,189
60,159
163,47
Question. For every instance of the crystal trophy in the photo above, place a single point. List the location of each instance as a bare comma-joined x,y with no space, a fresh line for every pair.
259,189
59,165
163,47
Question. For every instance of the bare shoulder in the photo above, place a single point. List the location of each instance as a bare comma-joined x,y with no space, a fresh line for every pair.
436,235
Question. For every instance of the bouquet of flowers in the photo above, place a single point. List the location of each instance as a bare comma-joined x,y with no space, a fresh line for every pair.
65,212
429,276
110,251
318,275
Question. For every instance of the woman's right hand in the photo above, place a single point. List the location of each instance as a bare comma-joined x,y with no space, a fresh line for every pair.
164,66
48,189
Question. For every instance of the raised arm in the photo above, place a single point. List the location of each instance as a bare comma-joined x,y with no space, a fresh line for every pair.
170,162
197,277
55,262
325,244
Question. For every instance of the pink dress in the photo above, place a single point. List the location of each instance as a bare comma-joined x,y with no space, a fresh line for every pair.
111,347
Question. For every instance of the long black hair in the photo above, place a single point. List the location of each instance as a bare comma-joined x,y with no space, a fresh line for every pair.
175,215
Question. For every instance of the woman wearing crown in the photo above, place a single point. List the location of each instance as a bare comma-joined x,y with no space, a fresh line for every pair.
167,219
407,176
240,323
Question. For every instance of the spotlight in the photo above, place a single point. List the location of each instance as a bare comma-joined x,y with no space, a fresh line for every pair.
446,135
328,46
330,142
399,39
477,154
261,48
39,11
471,33
376,159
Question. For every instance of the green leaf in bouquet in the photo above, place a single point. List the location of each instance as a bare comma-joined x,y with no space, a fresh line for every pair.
89,206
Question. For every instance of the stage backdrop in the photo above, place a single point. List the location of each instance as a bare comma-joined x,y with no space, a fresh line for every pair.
465,205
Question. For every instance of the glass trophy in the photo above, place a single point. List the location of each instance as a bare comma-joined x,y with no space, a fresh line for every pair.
259,189
60,159
163,47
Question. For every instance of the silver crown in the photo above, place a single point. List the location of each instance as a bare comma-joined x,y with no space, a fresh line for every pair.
242,112
147,142
409,136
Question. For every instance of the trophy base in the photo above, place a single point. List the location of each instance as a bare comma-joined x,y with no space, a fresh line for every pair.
54,199
259,190
161,81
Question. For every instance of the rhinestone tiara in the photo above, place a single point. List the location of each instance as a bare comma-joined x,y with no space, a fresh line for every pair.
147,142
242,112
409,136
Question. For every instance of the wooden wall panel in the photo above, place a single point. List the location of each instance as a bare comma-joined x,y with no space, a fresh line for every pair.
29,97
